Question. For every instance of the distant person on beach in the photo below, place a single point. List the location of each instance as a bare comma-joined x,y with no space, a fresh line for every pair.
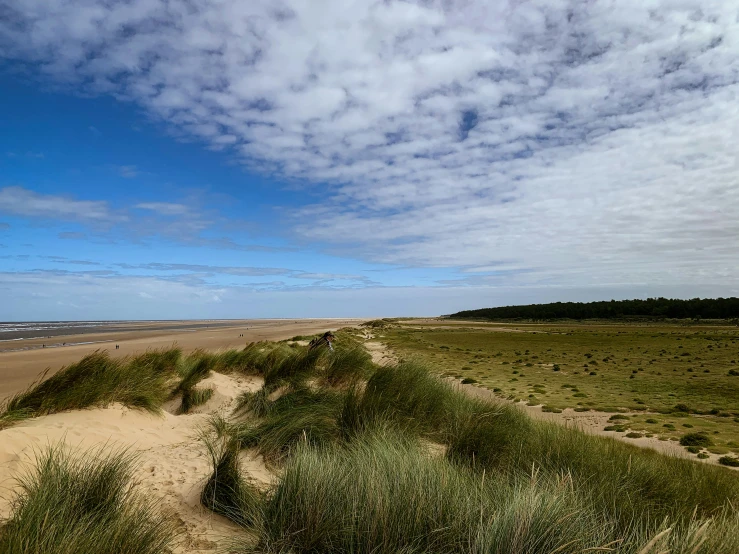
327,339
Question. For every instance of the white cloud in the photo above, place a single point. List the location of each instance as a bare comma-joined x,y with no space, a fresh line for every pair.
128,171
579,142
24,202
164,208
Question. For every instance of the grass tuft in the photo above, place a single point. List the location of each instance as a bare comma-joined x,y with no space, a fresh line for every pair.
97,381
193,397
227,492
75,504
301,415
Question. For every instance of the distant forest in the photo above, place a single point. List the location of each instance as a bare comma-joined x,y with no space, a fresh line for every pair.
652,308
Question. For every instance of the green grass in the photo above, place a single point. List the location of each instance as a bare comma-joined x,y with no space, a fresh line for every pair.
647,368
97,381
300,415
193,397
628,487
384,493
227,492
347,365
623,480
83,503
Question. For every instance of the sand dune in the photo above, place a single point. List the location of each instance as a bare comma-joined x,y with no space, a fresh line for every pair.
172,465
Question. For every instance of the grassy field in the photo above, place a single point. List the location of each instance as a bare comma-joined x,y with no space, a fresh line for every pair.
670,379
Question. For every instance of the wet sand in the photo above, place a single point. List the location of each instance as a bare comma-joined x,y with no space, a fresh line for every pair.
21,362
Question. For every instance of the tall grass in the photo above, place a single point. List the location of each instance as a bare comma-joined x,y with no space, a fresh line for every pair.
347,366
194,369
301,415
623,480
78,504
383,494
627,481
227,492
408,394
97,381
294,367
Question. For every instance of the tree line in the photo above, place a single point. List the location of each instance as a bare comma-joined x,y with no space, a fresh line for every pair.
654,308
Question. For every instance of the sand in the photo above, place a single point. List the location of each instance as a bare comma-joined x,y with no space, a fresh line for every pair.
172,464
19,368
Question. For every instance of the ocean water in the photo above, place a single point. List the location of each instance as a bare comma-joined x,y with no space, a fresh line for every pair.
18,331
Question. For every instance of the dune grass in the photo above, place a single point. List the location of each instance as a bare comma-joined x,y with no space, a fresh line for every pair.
83,503
293,367
97,381
301,415
347,366
333,446
383,494
227,492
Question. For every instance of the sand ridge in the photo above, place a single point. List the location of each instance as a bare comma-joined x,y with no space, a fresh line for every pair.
172,465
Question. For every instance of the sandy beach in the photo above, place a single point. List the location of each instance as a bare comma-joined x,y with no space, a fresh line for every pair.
22,361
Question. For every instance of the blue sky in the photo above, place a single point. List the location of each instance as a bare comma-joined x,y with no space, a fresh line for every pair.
279,159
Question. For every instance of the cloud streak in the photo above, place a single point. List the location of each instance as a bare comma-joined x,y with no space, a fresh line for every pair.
24,202
581,141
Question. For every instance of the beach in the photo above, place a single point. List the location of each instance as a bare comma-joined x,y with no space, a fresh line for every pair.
26,354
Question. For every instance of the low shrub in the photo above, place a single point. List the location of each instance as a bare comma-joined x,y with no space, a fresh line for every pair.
616,428
696,439
729,461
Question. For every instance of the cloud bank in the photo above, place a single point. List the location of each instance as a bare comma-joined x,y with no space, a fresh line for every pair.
540,141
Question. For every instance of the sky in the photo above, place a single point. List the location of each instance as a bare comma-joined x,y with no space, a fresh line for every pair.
165,159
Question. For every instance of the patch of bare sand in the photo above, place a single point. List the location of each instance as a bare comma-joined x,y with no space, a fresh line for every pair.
172,465
381,354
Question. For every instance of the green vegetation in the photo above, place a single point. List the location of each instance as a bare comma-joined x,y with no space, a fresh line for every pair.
404,463
142,382
77,504
97,381
696,439
226,492
708,308
642,369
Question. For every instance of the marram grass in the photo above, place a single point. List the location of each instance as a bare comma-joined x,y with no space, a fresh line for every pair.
83,503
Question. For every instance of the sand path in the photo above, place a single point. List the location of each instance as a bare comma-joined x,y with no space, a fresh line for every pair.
172,466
